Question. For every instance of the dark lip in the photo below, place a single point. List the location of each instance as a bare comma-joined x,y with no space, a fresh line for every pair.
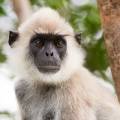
49,69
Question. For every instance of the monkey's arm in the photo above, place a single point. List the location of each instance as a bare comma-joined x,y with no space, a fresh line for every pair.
20,91
108,112
108,107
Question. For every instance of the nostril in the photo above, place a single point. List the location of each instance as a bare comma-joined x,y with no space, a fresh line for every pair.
51,54
47,54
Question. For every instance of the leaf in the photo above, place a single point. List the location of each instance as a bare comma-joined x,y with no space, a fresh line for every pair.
56,4
2,57
2,11
1,1
34,1
96,58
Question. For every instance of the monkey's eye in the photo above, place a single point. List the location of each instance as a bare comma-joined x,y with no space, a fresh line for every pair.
39,43
59,43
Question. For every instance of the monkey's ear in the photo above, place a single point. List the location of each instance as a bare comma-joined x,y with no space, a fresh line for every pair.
12,37
78,38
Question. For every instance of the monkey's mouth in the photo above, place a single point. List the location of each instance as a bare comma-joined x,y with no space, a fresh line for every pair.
49,69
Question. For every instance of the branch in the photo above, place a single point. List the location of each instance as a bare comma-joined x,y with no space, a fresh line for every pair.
110,16
22,9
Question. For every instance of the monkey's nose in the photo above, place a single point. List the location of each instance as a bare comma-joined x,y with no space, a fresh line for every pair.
48,54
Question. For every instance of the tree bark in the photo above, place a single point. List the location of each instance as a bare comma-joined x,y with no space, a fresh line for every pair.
110,17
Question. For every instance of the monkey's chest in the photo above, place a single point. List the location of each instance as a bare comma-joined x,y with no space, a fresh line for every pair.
50,104
47,104
43,104
45,112
45,108
53,108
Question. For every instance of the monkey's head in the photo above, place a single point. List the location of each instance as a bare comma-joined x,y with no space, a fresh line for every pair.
46,48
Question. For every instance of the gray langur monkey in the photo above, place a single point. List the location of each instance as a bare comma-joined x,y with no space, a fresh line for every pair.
54,85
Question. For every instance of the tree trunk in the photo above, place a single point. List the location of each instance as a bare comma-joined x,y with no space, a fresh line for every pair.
110,16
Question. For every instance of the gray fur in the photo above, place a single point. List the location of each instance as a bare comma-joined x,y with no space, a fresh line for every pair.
49,102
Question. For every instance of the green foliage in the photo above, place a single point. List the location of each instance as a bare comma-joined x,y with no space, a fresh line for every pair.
2,11
2,57
34,2
96,58
2,8
1,1
56,4
6,115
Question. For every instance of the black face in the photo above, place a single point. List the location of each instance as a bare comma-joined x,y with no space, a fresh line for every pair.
48,51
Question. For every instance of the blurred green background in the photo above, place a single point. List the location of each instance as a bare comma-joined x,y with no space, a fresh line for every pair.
84,18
